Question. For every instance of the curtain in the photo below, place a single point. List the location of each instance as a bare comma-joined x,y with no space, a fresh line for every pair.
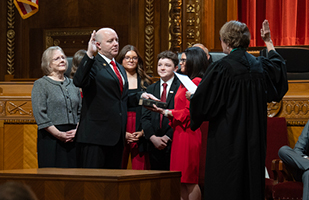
288,20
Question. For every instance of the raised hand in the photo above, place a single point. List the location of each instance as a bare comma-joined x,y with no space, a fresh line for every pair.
92,48
265,31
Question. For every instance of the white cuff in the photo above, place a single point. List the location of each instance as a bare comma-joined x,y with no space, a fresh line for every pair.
166,113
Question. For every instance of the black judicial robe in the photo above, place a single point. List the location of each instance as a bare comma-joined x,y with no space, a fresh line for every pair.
233,97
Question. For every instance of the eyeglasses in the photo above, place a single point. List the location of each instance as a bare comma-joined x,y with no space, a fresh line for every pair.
58,58
183,60
129,58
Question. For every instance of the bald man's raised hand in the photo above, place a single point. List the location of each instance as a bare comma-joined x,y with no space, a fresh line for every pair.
92,48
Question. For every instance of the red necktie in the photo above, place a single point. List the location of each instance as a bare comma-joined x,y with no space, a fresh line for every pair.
118,75
163,99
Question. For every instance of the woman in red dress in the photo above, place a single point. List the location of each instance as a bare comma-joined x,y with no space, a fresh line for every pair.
186,144
138,80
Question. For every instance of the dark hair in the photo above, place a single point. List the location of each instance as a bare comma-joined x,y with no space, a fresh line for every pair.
140,64
77,58
16,191
196,63
235,34
169,55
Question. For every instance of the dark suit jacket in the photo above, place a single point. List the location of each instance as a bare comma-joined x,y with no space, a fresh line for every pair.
151,120
138,123
104,109
142,143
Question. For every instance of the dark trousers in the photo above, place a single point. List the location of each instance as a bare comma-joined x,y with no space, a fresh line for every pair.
159,159
99,156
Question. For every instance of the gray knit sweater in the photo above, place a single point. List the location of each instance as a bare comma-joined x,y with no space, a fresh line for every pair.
55,102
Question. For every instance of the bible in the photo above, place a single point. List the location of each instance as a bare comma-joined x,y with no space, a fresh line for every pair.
150,102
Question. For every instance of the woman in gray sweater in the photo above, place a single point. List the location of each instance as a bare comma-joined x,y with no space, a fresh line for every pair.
56,104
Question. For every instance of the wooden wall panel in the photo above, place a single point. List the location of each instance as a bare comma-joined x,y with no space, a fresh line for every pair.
3,33
146,24
61,14
13,147
216,13
199,22
1,144
19,149
30,146
293,134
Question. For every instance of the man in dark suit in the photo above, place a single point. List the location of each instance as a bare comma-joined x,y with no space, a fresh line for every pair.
160,134
101,132
297,160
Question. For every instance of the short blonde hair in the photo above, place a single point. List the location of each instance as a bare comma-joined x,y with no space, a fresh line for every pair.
47,58
235,34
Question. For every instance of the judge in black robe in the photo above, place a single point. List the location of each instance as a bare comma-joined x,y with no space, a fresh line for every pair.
233,97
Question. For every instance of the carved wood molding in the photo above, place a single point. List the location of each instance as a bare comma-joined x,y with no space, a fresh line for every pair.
10,37
149,35
175,25
181,12
16,110
193,21
66,36
296,111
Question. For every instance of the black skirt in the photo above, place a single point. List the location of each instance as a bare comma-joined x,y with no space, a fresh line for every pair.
55,153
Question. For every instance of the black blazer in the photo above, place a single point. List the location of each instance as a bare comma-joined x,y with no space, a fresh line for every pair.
142,143
104,109
151,120
138,123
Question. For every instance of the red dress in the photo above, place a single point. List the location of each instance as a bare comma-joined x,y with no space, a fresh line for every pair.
186,145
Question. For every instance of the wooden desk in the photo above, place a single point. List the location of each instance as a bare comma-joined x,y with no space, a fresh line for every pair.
91,184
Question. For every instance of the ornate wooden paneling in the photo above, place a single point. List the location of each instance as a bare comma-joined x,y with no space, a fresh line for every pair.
184,24
18,133
193,22
70,40
152,26
175,25
29,33
294,107
149,35
15,102
10,37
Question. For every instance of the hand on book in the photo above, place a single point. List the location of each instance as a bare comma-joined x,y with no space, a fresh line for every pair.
146,95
